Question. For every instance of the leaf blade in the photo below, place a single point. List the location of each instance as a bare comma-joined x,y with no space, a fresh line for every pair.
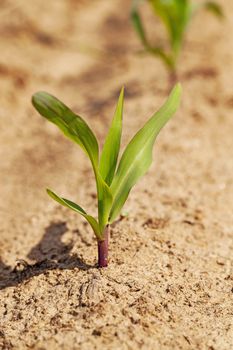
76,129
215,8
104,202
71,124
109,156
137,156
175,16
137,23
73,206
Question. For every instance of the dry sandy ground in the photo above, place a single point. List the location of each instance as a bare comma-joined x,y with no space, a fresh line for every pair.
169,284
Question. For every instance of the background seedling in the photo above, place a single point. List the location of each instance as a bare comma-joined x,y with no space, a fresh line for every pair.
113,181
175,15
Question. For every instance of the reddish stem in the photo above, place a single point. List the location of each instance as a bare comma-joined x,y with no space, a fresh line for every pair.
103,249
172,79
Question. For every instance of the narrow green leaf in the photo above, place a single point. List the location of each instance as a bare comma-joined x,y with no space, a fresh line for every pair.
215,8
165,57
109,156
137,156
175,15
104,202
137,23
76,129
71,205
139,28
72,125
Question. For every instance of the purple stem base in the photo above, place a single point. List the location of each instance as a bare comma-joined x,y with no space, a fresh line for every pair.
103,249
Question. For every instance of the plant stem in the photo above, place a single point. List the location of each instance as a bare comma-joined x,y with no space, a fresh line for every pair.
172,78
103,249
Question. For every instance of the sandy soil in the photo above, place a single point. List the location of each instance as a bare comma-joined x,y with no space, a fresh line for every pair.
169,284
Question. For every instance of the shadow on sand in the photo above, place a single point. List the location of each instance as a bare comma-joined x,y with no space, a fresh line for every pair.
50,253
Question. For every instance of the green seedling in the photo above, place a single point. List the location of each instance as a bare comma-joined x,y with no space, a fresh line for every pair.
113,180
175,15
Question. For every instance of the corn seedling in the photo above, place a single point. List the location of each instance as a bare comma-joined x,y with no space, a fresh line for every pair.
113,180
175,15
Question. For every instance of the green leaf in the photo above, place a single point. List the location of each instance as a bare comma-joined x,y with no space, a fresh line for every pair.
137,22
71,205
215,8
109,156
175,15
72,125
104,202
137,156
76,129
157,51
166,58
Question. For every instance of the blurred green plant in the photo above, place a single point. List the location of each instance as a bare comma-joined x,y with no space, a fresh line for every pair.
114,181
175,15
